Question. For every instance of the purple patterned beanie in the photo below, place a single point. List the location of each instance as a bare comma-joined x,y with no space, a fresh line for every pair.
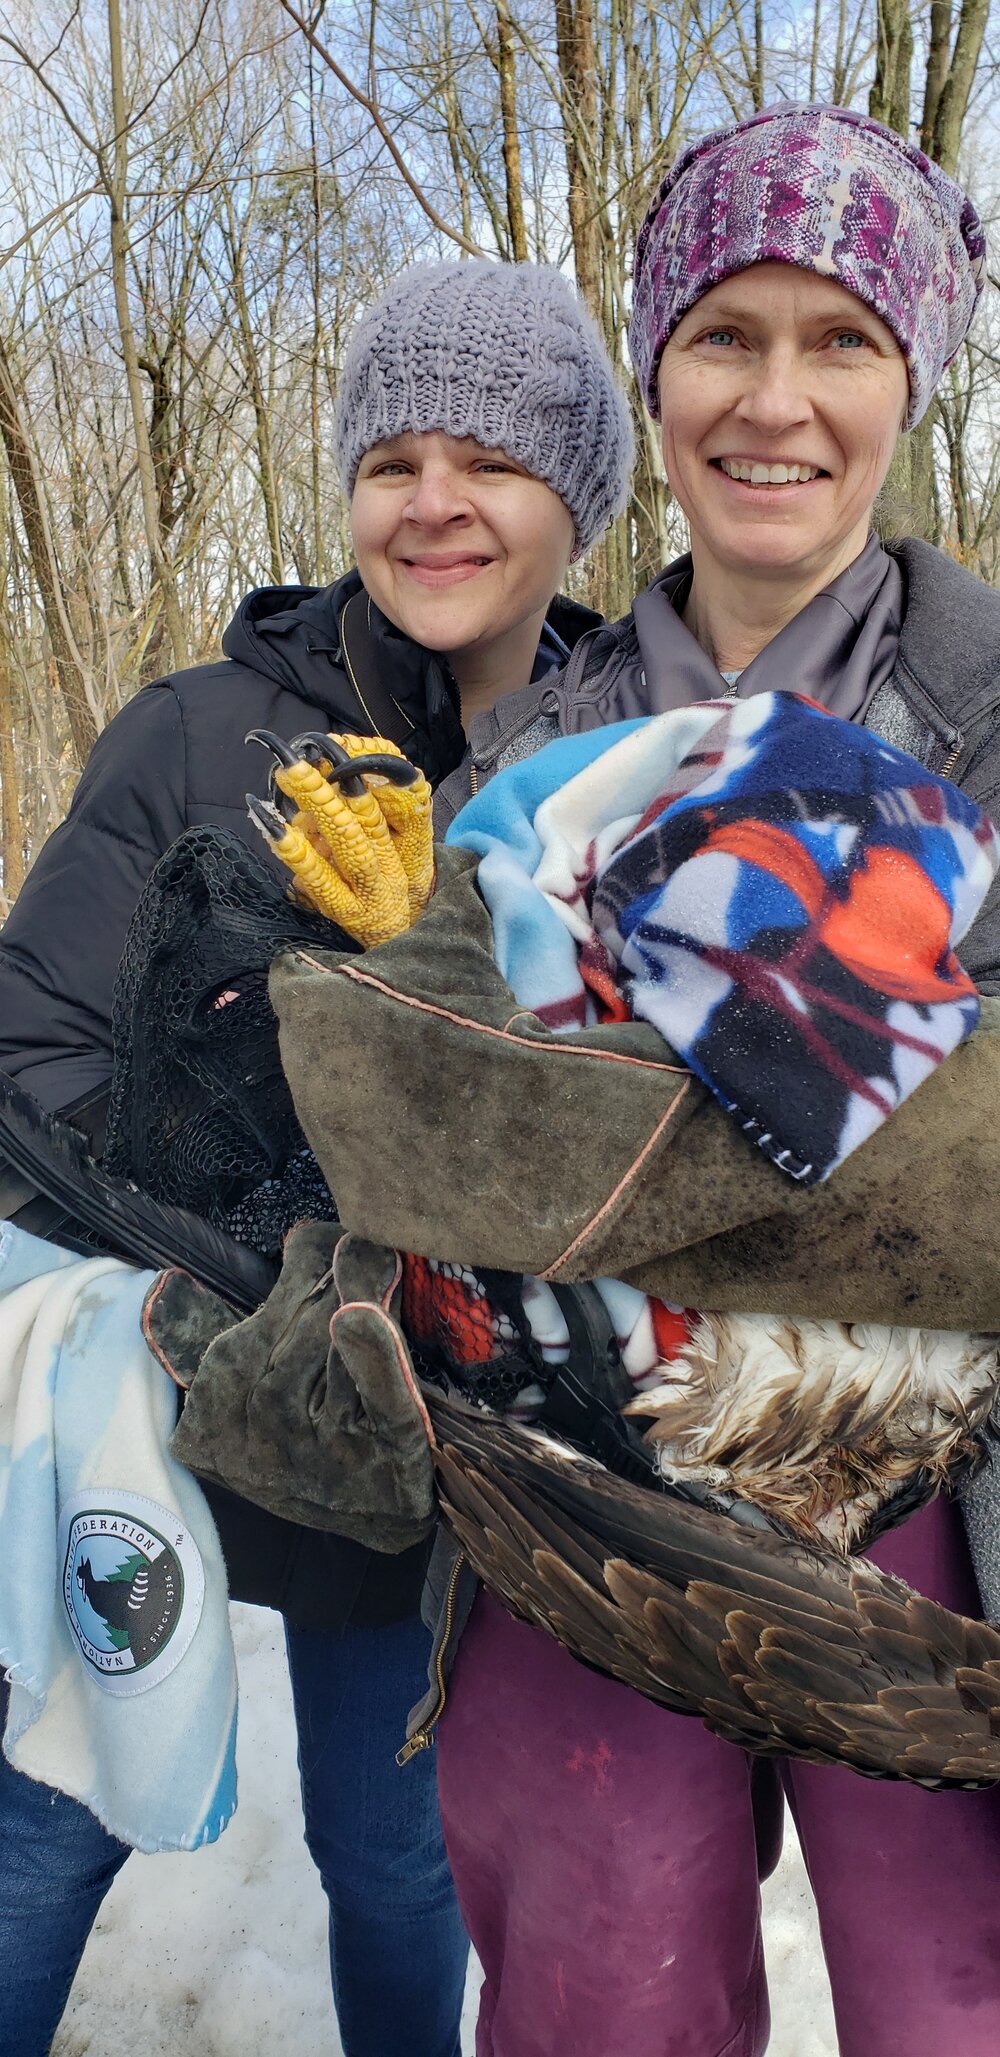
832,192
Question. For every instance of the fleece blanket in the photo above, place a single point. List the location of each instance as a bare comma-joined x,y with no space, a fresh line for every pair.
777,891
114,1627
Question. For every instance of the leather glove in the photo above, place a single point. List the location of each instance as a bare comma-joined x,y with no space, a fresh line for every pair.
309,1408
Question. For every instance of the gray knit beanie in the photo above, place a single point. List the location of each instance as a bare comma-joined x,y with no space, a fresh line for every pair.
505,353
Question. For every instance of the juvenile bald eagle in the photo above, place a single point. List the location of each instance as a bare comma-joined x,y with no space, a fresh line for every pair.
821,1433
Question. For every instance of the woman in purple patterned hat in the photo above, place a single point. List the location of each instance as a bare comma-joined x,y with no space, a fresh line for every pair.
802,280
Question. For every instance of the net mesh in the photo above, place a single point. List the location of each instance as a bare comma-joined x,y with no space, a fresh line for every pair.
469,1328
200,1113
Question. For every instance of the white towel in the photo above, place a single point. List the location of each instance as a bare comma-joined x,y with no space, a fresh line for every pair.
114,1624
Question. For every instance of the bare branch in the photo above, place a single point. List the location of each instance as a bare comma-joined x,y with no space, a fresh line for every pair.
371,109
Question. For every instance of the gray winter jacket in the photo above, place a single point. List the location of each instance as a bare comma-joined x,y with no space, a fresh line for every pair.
941,703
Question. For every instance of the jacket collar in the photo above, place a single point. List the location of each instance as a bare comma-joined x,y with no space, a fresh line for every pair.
292,635
838,649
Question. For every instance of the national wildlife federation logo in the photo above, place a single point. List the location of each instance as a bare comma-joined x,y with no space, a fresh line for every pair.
133,1584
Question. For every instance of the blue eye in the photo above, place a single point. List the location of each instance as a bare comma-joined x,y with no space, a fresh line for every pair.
719,336
852,338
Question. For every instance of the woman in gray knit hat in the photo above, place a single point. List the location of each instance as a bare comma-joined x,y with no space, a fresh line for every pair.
483,444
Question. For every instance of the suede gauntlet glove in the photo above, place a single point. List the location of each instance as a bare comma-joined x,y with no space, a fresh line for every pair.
309,1408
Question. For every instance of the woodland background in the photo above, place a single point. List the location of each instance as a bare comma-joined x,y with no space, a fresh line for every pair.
197,196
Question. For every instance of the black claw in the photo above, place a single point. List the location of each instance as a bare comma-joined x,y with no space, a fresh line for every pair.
286,754
318,748
339,767
310,748
330,757
344,768
346,771
267,817
398,770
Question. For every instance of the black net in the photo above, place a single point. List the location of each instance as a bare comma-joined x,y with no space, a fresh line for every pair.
200,1113
470,1329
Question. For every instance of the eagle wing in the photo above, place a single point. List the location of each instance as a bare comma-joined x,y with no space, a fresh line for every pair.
777,1646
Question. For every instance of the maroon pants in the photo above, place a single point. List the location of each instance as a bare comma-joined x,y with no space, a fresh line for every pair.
606,1862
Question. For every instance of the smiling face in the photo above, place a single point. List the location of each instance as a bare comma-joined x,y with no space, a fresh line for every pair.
460,547
781,398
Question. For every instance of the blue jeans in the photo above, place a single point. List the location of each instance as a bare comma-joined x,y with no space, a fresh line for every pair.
397,1946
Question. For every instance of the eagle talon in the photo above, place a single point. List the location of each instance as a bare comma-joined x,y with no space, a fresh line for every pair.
330,759
318,749
267,817
285,753
286,757
353,825
339,767
398,770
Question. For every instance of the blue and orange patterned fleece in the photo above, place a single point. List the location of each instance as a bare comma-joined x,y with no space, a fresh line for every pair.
779,892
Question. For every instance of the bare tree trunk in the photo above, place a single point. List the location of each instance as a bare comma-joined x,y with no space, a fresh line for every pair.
574,22
907,502
889,98
318,569
649,498
814,48
909,499
69,670
507,75
119,238
938,42
953,425
757,82
261,415
11,825
953,100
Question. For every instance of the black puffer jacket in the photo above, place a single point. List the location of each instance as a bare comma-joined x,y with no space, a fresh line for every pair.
175,757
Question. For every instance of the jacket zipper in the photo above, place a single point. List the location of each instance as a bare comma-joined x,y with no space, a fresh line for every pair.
572,680
946,769
423,1737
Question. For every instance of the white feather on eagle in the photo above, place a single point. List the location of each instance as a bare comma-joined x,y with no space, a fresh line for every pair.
818,1422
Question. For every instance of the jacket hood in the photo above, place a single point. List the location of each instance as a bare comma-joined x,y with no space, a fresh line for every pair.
291,634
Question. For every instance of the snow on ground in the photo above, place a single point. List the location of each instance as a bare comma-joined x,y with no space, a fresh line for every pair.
222,1954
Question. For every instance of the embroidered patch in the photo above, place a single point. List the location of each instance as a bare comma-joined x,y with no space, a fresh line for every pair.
133,1585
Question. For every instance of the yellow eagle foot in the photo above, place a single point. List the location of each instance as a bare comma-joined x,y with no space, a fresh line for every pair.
350,816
